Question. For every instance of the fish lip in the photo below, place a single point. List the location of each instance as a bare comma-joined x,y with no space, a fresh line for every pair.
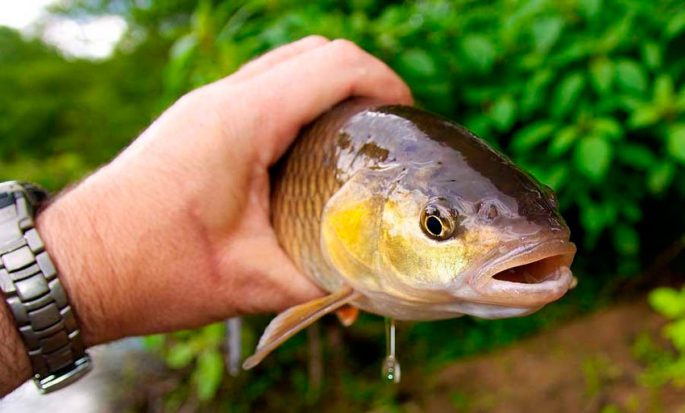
551,287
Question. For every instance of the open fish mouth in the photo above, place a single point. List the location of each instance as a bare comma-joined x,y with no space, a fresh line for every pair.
529,276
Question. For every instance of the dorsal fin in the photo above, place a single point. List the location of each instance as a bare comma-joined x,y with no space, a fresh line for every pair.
291,321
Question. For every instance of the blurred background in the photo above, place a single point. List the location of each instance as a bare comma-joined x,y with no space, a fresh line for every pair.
587,95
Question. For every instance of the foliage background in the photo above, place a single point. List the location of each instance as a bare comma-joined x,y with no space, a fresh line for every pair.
588,95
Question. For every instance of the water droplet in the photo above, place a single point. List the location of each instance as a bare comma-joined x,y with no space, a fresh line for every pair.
391,367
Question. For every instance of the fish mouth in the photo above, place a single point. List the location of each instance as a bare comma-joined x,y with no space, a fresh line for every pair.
531,275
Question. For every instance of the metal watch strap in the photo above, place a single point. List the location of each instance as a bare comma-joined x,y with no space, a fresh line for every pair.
35,295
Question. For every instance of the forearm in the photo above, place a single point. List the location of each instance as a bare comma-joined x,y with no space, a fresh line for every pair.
70,232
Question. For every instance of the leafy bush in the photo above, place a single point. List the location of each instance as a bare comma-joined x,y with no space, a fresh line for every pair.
667,366
61,118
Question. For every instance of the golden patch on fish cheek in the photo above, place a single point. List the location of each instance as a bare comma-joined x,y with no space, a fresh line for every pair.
349,233
418,261
354,228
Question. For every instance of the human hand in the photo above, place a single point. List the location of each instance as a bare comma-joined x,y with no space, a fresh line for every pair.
175,232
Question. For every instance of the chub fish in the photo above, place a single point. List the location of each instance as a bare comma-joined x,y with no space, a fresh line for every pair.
402,213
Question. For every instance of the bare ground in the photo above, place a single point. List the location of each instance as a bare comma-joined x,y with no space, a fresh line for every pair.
584,366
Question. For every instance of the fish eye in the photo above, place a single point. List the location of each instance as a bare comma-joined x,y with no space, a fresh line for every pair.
434,225
437,222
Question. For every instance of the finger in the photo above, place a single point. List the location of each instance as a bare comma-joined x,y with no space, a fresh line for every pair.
292,286
275,283
278,55
298,90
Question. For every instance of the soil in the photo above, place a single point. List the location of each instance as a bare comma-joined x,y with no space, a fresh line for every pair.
584,366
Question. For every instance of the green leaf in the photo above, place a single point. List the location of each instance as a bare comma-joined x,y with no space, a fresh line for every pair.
567,93
602,75
180,355
563,140
183,48
208,374
628,102
619,30
535,91
626,240
576,52
664,90
589,8
680,100
592,157
675,26
668,301
644,116
479,52
676,142
418,63
532,135
546,31
676,333
660,177
638,156
213,334
631,76
608,127
503,112
652,55
594,218
154,342
631,211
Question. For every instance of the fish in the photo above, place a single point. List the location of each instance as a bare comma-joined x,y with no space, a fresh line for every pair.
400,212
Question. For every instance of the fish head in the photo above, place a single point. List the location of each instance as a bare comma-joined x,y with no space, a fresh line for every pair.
450,227
440,241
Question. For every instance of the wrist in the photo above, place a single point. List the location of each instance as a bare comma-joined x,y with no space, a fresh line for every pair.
66,226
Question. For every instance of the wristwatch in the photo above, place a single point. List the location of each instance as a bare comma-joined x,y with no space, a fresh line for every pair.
34,294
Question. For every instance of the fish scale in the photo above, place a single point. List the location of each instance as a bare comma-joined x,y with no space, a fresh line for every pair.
307,178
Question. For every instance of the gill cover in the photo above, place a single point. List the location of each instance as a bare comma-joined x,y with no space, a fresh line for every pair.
351,224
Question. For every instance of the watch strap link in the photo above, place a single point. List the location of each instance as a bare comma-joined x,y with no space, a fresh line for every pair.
35,295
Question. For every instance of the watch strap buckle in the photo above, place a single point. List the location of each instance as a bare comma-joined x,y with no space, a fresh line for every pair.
64,377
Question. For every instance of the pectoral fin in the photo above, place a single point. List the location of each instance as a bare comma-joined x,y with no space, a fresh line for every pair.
291,321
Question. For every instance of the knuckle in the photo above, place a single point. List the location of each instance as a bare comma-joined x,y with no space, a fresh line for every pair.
315,39
347,49
192,98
